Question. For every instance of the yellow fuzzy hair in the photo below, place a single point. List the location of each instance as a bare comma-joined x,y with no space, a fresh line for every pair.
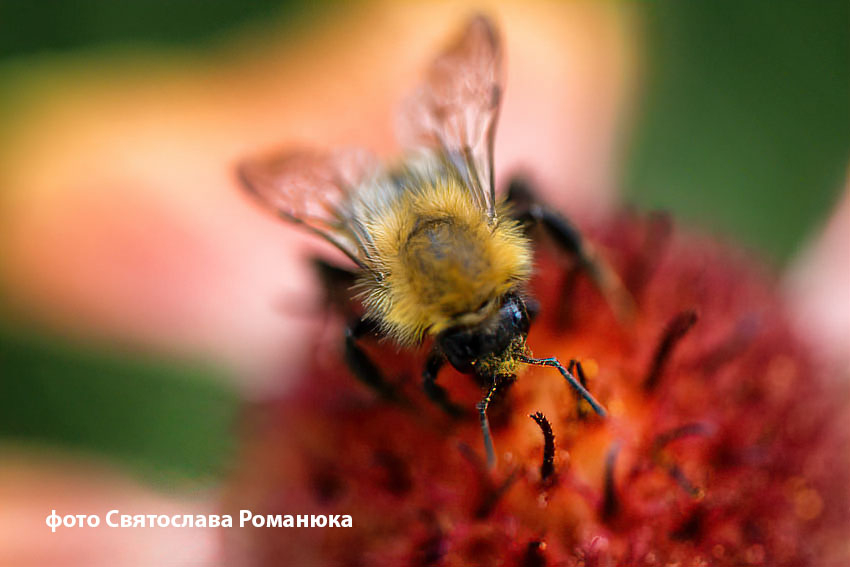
443,263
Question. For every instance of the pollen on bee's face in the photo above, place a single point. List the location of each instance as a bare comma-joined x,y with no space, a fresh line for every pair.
726,444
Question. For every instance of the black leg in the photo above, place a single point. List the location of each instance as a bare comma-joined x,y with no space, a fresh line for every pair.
363,368
337,283
580,390
528,209
434,391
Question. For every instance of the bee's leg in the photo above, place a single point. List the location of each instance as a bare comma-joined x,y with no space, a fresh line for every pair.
337,283
485,424
528,209
577,386
434,391
361,365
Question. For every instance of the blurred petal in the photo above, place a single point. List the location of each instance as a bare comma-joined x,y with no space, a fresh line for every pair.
819,287
31,487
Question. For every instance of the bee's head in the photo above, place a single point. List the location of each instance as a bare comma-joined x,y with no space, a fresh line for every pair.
465,345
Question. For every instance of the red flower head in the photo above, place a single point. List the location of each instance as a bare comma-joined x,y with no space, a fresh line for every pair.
724,442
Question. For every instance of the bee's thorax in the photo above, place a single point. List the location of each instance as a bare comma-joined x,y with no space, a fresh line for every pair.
445,262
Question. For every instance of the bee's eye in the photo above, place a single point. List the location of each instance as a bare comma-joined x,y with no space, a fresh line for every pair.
514,313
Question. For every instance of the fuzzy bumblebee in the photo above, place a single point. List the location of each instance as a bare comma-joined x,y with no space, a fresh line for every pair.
438,256
442,264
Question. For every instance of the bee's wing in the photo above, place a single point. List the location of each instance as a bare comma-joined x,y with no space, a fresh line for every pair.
457,107
310,188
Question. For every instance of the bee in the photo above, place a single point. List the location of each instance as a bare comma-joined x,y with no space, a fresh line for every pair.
438,257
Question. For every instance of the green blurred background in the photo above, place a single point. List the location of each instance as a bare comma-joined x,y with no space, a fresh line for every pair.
743,125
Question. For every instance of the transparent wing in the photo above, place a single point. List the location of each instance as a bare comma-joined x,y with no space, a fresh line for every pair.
310,188
457,108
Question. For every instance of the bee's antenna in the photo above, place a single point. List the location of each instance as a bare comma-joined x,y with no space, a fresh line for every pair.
485,425
582,391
